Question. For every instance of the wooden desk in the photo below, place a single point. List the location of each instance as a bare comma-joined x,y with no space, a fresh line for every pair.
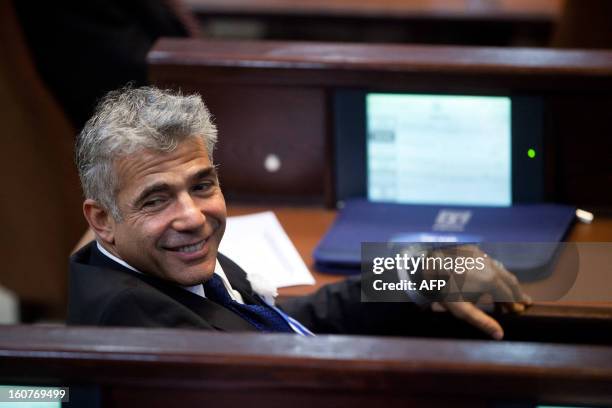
306,225
498,10
185,368
474,22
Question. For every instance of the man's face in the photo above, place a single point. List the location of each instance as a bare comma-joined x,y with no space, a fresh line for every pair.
173,213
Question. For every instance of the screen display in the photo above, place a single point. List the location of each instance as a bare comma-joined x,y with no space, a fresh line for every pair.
439,149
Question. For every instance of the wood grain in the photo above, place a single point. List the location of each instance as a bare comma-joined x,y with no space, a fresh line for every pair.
391,58
496,10
161,366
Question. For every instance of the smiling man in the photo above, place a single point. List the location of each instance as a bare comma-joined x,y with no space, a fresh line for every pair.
171,213
153,201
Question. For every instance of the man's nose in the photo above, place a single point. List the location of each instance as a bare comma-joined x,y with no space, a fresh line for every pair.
189,216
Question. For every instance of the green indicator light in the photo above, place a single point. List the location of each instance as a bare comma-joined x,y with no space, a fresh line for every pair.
531,153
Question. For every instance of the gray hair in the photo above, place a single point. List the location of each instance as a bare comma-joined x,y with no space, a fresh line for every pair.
132,119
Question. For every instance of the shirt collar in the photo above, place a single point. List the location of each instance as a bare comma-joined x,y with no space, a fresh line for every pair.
195,289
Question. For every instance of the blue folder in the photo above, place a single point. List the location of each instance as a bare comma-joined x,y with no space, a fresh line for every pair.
492,227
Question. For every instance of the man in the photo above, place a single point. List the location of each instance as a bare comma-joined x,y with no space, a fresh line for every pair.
153,201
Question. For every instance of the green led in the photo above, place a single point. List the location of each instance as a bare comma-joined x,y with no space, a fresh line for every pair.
531,153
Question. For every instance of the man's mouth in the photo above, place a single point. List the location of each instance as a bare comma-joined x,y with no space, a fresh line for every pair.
189,248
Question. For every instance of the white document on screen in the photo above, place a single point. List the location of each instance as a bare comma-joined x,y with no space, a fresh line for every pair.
259,245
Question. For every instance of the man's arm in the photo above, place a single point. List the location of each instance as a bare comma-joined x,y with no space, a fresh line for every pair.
337,309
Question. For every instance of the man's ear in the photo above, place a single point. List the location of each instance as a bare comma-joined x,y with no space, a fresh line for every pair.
100,221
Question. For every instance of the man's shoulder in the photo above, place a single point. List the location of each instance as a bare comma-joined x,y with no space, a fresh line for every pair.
103,292
92,272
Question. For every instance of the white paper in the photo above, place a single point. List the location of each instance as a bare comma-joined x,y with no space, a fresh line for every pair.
259,245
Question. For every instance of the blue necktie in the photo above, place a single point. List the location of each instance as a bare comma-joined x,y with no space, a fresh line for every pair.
263,317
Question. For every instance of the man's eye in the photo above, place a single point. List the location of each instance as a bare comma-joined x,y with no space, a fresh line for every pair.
155,202
203,186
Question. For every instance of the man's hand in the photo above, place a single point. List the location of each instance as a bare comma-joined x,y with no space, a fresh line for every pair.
470,313
494,280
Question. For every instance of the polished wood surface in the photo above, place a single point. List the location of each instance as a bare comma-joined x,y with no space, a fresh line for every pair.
547,10
244,148
161,367
473,22
598,231
387,58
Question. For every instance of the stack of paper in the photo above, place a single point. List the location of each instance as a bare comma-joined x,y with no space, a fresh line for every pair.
259,245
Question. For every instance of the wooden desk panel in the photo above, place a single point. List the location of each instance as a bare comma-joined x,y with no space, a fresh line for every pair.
297,63
491,10
467,22
164,367
599,231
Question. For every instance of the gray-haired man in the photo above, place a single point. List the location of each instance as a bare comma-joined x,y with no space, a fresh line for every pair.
154,203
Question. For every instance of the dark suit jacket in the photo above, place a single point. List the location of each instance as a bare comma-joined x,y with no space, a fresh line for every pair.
104,293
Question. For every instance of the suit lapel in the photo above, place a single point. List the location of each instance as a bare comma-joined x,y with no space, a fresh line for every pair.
238,279
216,315
213,314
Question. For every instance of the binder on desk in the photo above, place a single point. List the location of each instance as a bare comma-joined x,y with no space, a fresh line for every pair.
363,221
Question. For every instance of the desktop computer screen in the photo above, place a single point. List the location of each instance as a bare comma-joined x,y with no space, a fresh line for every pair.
439,149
